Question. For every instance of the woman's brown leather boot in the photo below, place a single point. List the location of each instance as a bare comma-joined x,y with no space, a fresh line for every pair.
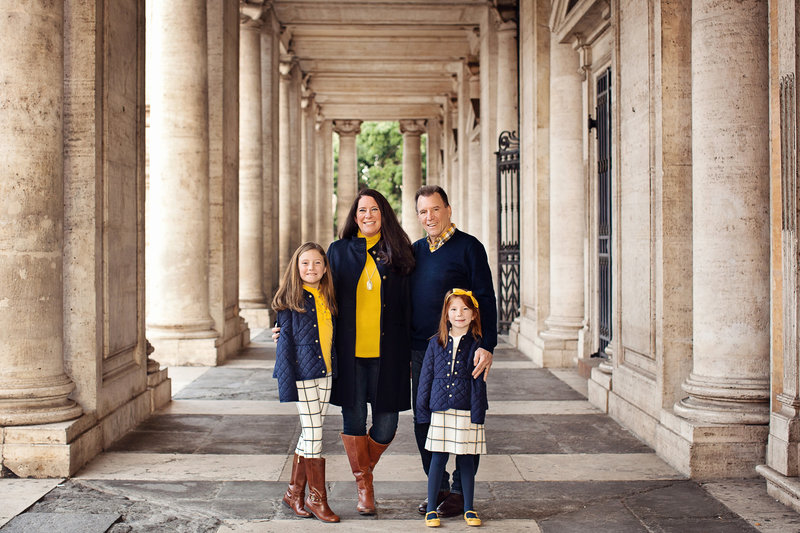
317,500
358,454
296,492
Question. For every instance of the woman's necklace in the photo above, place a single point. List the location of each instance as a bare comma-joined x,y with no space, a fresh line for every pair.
369,277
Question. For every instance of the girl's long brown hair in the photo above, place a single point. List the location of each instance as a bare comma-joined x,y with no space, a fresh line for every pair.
444,324
290,291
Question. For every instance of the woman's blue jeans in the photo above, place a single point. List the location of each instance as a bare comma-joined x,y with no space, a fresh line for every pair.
354,418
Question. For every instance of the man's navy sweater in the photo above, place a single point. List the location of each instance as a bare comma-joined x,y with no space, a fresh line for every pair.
459,263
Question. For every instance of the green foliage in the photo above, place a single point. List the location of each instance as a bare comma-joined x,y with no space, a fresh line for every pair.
380,160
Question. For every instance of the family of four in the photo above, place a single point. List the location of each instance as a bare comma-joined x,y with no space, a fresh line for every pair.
352,322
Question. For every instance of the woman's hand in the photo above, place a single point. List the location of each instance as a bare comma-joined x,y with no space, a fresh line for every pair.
276,332
482,361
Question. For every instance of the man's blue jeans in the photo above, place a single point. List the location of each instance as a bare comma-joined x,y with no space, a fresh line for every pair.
354,418
421,431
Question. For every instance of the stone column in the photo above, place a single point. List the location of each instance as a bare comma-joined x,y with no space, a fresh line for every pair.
434,170
412,173
252,301
285,166
728,404
33,385
558,343
178,223
308,181
324,163
347,185
476,196
729,382
507,114
270,111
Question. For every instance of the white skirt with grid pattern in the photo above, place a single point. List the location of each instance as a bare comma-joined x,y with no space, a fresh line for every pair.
452,431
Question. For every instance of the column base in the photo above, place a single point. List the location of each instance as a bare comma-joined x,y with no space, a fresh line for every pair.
599,385
63,448
257,317
522,334
160,388
702,450
186,352
554,351
784,489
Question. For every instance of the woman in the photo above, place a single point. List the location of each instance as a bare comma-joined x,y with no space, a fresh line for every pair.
370,264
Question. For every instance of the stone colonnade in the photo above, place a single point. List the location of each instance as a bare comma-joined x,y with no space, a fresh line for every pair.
703,292
76,374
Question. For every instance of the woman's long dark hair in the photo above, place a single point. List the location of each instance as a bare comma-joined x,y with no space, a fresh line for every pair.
397,251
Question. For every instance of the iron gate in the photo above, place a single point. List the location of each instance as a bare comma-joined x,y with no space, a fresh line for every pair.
604,201
507,230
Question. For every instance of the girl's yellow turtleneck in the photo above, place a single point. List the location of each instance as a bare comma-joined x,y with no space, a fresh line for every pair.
368,304
324,325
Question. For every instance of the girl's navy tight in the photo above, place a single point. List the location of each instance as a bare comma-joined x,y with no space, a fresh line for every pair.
465,463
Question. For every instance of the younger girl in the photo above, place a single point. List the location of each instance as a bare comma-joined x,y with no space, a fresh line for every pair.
452,401
305,365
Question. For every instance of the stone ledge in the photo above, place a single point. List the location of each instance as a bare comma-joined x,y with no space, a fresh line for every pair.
784,489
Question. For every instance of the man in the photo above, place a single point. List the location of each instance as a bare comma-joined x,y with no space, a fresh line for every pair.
446,258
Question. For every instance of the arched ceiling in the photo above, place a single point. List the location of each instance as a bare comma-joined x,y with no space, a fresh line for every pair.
383,59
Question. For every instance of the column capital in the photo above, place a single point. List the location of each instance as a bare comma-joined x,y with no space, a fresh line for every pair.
287,63
250,14
412,127
347,127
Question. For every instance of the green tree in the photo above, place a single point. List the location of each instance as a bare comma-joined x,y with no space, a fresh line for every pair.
380,160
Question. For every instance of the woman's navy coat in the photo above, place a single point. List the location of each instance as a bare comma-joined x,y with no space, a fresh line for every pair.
440,391
347,258
299,354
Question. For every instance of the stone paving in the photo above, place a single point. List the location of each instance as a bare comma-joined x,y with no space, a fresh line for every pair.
217,459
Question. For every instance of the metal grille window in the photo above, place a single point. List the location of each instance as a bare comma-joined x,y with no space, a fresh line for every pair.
508,275
603,113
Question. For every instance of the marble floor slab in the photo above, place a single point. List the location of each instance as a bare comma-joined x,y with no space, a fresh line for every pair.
19,494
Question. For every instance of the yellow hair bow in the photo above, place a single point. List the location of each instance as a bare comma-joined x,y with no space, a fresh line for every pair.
462,292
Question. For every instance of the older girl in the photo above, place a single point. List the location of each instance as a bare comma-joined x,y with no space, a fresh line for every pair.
305,365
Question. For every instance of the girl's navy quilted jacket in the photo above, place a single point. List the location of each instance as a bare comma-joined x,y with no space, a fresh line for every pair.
440,389
299,355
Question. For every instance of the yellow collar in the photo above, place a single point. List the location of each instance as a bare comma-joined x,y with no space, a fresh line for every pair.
371,241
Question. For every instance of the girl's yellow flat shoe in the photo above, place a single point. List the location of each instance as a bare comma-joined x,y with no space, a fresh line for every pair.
471,517
432,519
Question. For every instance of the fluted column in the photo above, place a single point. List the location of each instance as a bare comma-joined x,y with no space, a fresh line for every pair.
473,214
33,385
270,111
285,249
412,172
324,163
729,382
178,211
308,182
251,187
347,185
558,343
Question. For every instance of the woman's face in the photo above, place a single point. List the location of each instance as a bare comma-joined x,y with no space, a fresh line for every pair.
368,216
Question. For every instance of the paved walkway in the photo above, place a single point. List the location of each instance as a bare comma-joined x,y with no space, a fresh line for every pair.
218,457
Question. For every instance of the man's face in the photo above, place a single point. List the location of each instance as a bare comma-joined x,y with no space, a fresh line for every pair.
433,215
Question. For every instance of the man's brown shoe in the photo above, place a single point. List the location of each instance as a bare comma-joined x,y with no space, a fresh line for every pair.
423,507
453,505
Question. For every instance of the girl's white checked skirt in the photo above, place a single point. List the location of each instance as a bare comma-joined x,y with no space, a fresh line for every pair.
452,431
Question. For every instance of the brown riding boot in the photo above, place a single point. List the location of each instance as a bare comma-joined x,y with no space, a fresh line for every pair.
375,449
295,494
358,454
317,500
